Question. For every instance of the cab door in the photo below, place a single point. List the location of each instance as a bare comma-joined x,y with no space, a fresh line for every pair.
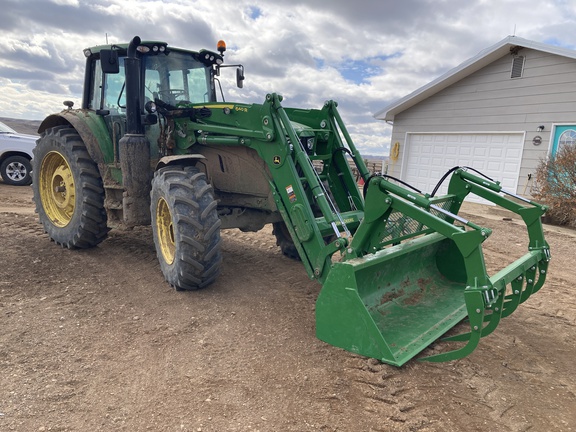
114,103
105,96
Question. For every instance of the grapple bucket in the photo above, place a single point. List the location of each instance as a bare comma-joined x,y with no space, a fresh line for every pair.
391,305
414,269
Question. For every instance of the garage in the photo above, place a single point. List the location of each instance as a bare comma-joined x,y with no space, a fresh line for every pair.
479,112
427,156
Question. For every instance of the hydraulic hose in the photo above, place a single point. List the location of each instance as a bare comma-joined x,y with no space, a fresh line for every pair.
450,171
388,177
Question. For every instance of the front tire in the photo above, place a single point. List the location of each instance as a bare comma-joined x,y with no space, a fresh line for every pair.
68,190
16,170
186,227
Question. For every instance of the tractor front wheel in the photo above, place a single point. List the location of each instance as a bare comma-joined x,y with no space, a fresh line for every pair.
186,227
68,190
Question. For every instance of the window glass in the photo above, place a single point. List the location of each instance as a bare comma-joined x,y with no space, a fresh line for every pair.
568,138
96,90
115,93
151,84
199,84
113,98
177,78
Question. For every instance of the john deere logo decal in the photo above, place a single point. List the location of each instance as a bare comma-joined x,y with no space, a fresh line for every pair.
276,160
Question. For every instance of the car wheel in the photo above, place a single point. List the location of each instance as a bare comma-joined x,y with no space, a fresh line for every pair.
16,170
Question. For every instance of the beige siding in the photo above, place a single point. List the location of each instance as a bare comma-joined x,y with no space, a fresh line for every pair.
490,101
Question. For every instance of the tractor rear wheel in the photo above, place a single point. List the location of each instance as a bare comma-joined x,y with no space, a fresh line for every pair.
284,240
286,244
186,227
68,190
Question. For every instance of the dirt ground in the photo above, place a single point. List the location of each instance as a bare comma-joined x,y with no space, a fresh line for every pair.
95,340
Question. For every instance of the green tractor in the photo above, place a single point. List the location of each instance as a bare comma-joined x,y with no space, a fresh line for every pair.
155,143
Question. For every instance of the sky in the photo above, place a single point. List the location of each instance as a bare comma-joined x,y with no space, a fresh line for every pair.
364,54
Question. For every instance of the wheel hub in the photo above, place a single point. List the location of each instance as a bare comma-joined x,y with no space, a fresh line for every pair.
165,230
57,191
62,182
16,171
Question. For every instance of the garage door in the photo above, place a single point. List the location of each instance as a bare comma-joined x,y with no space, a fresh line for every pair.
428,156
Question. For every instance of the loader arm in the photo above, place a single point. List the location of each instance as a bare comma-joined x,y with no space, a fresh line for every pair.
321,205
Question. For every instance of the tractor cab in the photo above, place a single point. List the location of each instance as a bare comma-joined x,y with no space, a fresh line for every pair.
168,77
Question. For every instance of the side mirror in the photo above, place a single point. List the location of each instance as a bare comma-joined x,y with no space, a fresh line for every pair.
149,119
240,77
109,61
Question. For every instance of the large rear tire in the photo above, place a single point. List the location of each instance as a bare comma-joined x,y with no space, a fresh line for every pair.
68,190
186,227
284,240
286,244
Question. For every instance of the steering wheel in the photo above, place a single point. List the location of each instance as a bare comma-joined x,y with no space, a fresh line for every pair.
172,93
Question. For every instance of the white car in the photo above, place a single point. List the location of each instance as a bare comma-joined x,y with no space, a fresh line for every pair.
15,156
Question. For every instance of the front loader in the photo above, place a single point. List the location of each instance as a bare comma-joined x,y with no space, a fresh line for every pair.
156,143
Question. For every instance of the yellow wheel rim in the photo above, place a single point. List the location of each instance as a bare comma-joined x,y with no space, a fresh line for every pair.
165,230
56,186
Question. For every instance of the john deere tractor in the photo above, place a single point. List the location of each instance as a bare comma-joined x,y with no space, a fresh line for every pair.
156,143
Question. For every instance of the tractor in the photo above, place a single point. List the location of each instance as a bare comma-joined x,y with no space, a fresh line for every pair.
156,143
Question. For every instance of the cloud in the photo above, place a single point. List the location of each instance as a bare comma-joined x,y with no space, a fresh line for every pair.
364,54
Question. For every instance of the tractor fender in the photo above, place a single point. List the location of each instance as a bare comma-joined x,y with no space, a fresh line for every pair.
188,159
90,127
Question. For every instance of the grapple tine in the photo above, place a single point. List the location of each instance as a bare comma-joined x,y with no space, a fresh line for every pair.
507,304
543,271
530,280
492,319
475,307
513,300
462,337
532,285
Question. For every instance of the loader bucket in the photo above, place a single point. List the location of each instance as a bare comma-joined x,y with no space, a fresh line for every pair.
392,304
414,269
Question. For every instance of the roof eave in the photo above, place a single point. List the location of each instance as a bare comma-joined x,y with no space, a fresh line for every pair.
482,59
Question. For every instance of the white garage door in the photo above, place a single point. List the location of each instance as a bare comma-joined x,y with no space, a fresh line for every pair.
428,156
